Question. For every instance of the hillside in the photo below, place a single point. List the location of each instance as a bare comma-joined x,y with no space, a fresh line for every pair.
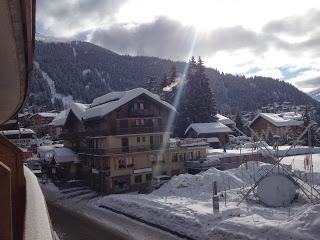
81,71
315,94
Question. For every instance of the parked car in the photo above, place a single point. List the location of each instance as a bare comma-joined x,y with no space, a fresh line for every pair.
158,181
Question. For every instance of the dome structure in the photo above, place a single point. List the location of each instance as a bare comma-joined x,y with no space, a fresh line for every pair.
276,190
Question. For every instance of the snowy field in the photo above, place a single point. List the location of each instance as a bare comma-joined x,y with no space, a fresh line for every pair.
185,205
297,162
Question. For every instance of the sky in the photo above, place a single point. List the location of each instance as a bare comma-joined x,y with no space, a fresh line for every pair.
272,38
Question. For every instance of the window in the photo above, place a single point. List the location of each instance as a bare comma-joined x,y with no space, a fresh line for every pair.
138,179
141,106
157,158
198,154
181,158
122,163
135,106
175,157
191,155
129,161
139,122
148,177
143,139
125,162
138,139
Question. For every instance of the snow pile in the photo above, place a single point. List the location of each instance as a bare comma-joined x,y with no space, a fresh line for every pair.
199,186
184,204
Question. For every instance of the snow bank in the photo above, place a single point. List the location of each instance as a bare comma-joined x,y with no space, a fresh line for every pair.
184,204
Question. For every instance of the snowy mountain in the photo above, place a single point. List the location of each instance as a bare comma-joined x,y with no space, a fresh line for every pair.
66,71
315,94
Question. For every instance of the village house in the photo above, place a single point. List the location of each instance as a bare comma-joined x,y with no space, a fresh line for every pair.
21,137
225,120
123,140
39,122
286,125
56,125
216,133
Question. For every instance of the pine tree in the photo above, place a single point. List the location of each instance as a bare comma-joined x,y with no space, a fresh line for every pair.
306,117
171,95
197,104
152,85
238,121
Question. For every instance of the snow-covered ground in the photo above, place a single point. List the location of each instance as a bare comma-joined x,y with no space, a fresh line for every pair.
185,205
282,151
83,201
297,162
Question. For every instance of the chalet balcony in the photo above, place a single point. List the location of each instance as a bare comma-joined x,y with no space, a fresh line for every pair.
140,129
122,150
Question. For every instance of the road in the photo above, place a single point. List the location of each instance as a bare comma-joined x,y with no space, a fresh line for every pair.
72,226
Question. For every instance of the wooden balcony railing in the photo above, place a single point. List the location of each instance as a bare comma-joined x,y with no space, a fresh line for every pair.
126,149
137,130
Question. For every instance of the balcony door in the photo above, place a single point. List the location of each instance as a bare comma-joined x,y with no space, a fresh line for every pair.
125,144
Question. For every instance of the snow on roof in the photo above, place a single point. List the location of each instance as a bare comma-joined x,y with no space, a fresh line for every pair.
61,155
281,119
16,131
60,119
224,120
79,109
213,140
213,127
46,114
105,104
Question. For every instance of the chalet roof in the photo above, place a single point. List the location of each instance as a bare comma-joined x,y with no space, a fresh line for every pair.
224,120
105,104
61,155
16,131
79,109
45,114
212,127
281,119
60,119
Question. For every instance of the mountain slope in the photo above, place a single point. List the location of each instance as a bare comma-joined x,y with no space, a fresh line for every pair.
315,94
81,71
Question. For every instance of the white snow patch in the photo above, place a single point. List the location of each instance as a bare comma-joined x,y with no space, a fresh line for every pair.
74,52
37,224
85,72
111,101
66,100
184,204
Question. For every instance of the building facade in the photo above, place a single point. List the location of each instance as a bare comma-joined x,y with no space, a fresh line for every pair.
287,126
39,122
216,133
123,140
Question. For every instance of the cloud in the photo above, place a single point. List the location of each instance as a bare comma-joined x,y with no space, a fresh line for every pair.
171,39
307,80
295,25
62,18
